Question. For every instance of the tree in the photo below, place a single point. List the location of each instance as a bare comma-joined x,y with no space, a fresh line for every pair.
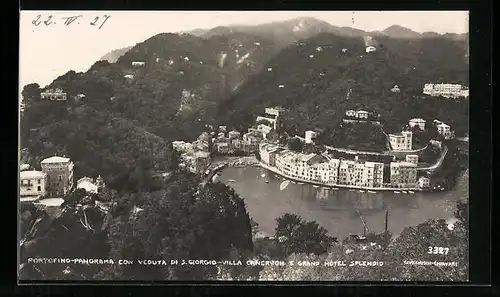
182,222
294,235
31,92
295,144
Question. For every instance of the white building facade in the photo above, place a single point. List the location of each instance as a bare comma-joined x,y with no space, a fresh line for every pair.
32,183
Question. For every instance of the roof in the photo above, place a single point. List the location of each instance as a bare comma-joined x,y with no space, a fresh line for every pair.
417,120
399,134
31,174
372,164
55,159
443,125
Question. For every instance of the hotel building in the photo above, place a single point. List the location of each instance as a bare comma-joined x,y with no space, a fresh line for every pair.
446,90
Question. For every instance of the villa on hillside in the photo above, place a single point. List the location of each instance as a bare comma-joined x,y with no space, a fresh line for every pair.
54,94
401,141
446,90
420,123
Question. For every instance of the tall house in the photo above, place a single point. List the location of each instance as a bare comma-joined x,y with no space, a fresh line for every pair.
273,115
401,141
60,174
374,174
32,183
403,174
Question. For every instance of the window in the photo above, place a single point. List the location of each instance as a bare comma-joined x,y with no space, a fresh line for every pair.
39,181
59,177
39,189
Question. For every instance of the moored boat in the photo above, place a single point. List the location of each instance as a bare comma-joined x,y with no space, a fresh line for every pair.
284,184
397,192
404,192
266,181
411,192
334,188
231,180
361,191
316,186
373,192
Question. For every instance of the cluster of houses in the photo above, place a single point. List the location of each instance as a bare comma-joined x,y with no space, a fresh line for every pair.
402,141
322,169
54,180
446,90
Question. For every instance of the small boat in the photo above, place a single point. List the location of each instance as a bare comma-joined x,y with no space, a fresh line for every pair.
404,192
334,188
373,192
263,175
351,190
397,192
284,184
411,192
300,183
315,186
361,191
266,181
293,182
231,180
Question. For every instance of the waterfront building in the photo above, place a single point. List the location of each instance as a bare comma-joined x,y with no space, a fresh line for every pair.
54,94
222,129
420,123
138,63
373,174
60,175
403,174
424,182
446,90
401,141
412,159
32,183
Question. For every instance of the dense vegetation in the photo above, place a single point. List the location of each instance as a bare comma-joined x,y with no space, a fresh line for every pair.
177,222
316,89
123,128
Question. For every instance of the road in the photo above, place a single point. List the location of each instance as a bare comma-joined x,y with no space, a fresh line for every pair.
438,162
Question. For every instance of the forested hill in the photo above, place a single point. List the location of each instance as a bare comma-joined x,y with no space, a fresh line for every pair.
313,78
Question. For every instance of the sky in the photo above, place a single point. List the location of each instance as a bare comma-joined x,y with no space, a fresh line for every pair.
48,51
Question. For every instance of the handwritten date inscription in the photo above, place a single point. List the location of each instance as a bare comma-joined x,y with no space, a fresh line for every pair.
97,21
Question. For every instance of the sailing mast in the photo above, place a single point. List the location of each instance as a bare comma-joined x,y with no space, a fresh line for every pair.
365,227
386,218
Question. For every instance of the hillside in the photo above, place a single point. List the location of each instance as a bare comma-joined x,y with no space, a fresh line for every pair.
99,143
285,33
113,55
315,77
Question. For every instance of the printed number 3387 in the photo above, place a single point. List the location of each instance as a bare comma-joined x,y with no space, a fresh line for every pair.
438,250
